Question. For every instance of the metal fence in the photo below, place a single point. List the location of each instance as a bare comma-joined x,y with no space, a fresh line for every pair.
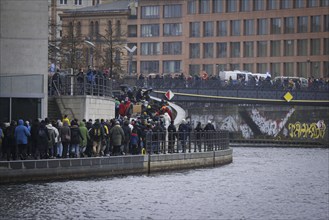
184,142
72,85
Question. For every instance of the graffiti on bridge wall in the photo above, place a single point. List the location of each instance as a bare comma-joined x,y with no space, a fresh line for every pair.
307,130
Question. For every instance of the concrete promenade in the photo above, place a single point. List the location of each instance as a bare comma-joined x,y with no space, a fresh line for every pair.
59,169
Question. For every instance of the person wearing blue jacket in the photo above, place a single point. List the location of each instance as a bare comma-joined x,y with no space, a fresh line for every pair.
21,136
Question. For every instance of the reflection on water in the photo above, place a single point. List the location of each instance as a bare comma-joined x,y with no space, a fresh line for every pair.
261,183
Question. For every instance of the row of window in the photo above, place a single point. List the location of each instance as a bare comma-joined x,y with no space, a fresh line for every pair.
235,28
222,6
304,69
274,48
78,2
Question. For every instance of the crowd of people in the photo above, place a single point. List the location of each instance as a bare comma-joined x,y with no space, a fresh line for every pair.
151,130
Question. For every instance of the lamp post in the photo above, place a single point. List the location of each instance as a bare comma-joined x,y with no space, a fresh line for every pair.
91,47
131,53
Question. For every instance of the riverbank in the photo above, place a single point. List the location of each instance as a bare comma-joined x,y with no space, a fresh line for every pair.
277,143
72,168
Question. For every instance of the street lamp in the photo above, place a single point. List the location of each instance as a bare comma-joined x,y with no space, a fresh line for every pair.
131,53
91,46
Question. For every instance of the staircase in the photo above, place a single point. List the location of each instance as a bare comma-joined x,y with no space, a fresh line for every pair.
54,112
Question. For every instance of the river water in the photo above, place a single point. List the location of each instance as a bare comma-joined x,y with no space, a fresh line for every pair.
261,183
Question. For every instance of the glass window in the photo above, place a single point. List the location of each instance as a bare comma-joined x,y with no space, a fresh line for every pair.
221,50
150,11
324,3
288,69
262,26
231,5
245,5
150,48
326,68
208,50
326,46
191,6
301,47
220,67
299,4
248,49
312,3
275,48
262,68
78,32
302,24
150,30
315,24
204,6
172,11
172,29
235,49
117,57
302,69
208,68
194,69
315,71
272,4
149,67
234,66
172,66
208,29
218,6
235,28
63,2
195,50
172,48
221,28
289,25
315,46
289,48
194,29
78,2
326,23
262,48
132,30
91,29
249,27
276,26
286,4
248,67
275,69
259,5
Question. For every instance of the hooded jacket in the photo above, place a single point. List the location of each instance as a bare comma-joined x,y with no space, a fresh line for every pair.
21,133
85,134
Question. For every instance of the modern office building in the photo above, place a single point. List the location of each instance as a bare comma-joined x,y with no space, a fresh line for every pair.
23,59
282,37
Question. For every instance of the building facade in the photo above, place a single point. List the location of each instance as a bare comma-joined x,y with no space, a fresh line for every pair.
23,59
282,37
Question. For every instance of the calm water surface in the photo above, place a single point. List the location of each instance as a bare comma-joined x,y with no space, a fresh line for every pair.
261,183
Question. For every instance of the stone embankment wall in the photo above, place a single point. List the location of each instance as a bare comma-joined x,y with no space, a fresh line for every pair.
55,169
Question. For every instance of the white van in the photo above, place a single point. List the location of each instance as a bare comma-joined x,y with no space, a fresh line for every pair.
235,75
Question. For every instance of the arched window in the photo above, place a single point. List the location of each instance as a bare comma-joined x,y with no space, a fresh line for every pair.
78,30
109,28
70,29
91,29
96,29
118,28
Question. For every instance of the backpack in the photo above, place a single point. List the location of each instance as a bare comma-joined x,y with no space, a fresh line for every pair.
41,132
97,132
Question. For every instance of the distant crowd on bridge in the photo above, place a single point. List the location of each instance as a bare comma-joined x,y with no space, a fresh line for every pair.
151,131
96,82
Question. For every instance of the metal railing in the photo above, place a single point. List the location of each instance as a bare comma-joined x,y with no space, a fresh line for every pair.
184,142
68,85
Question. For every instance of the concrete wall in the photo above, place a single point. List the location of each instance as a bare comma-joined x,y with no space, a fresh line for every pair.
86,107
24,48
32,170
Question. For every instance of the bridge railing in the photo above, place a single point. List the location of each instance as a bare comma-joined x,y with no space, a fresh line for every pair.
67,85
221,84
185,142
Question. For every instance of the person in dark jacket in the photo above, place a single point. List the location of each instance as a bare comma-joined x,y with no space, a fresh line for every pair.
127,131
117,137
198,136
75,140
183,131
42,141
209,131
65,133
10,143
172,135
